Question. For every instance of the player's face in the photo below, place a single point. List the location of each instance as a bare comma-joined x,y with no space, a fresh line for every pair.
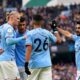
78,29
16,19
22,27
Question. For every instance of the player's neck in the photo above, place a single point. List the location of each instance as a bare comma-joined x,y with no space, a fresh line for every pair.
10,23
37,26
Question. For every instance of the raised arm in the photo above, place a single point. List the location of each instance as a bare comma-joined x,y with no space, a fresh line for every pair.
64,32
58,37
55,31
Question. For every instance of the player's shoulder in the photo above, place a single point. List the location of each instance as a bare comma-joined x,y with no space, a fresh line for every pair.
46,32
29,32
38,30
26,31
34,31
77,37
7,26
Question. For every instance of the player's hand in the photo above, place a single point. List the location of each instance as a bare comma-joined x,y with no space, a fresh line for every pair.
1,51
54,25
27,69
25,36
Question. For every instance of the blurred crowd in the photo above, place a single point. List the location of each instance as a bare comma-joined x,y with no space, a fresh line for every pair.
64,15
64,72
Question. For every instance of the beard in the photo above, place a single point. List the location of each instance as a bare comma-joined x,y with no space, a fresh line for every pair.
78,33
22,31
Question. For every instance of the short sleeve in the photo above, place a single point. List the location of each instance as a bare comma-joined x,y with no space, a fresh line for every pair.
28,40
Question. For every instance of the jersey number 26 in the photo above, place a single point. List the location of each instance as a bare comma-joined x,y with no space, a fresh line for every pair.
44,45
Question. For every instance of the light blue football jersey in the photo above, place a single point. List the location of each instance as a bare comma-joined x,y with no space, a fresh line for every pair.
0,37
8,40
39,39
7,31
77,50
20,50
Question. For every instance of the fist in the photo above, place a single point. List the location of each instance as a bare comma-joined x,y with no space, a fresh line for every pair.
54,24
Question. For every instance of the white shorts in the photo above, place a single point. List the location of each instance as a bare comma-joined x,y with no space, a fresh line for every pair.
8,70
78,75
40,74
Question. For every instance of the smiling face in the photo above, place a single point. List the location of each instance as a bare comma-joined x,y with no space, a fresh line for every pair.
22,27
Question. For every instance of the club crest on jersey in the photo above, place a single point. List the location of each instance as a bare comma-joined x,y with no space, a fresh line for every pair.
9,31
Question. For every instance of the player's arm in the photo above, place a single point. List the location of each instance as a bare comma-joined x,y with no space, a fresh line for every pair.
10,39
55,31
28,44
28,54
54,38
55,27
64,32
58,37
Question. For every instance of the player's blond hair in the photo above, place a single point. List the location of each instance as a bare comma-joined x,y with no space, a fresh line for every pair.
12,13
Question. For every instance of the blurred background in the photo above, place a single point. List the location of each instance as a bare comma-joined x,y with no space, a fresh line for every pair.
66,13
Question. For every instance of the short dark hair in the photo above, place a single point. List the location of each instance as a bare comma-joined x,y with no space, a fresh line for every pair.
37,18
23,18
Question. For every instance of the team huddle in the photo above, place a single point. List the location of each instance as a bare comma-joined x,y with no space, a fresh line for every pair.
24,54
